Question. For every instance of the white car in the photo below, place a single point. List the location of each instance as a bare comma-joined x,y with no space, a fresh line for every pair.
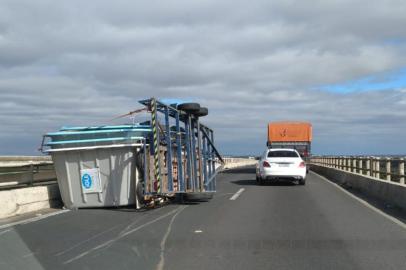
281,163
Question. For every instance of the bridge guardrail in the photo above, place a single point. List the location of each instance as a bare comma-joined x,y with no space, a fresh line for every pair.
391,169
26,171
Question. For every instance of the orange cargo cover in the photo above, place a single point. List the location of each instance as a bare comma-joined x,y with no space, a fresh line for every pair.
289,132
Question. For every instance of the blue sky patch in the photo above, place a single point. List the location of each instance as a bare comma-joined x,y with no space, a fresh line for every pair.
384,81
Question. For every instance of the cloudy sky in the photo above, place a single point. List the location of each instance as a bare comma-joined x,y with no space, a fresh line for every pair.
338,64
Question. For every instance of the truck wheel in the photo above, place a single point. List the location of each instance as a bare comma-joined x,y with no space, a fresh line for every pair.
189,107
203,111
198,197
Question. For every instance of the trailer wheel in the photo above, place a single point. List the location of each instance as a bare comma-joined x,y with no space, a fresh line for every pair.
198,197
189,107
203,111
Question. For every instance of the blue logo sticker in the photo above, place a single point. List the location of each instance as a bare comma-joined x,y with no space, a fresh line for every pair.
86,181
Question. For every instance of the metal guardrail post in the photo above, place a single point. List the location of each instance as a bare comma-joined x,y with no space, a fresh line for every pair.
388,169
361,166
31,173
354,165
402,171
368,166
377,167
345,163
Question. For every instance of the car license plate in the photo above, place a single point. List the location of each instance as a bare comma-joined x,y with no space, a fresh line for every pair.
283,165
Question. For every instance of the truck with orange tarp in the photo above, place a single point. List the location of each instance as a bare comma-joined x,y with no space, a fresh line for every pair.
296,135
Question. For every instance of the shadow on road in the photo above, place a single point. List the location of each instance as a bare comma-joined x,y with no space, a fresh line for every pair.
269,183
248,169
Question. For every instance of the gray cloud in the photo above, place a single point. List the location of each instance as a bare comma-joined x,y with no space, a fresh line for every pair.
82,62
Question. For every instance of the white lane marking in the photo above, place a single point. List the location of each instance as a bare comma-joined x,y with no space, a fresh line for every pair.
237,194
3,232
87,240
198,231
365,203
33,219
28,255
120,236
136,221
161,262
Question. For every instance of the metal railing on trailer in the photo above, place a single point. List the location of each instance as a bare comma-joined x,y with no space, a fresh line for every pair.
180,157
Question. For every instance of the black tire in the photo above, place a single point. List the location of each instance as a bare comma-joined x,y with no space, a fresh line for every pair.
198,197
302,182
261,181
189,107
203,111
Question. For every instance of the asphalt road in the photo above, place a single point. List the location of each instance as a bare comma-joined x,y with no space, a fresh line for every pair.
279,226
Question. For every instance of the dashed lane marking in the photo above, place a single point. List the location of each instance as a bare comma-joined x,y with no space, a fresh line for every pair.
237,194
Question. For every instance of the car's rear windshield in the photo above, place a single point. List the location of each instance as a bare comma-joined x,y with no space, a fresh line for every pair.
283,154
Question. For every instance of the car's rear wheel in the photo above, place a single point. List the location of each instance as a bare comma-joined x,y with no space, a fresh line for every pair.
302,182
261,181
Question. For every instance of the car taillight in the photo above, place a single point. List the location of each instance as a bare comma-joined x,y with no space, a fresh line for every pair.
302,164
266,164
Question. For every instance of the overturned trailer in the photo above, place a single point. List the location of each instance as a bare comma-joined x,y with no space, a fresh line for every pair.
104,166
